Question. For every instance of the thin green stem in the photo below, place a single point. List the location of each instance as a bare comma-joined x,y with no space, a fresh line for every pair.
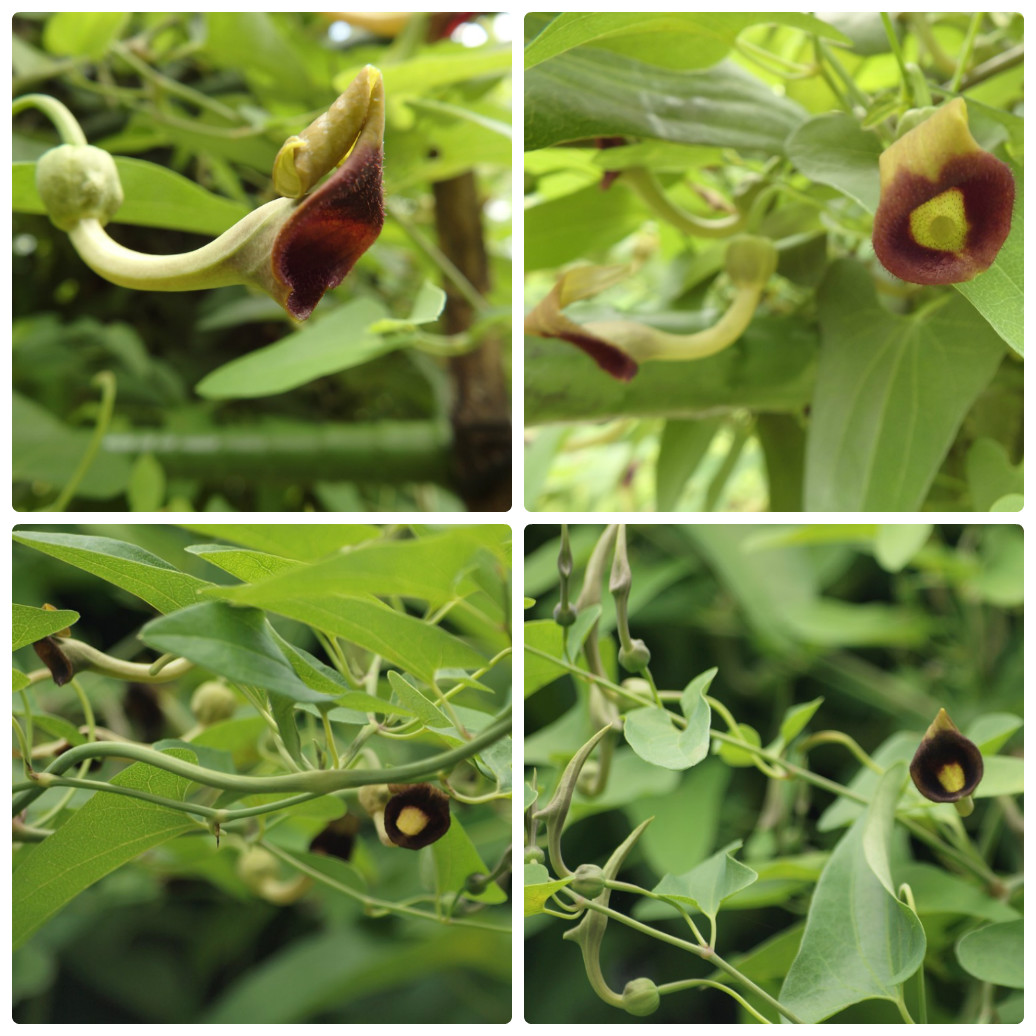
698,951
897,51
64,121
320,782
377,904
691,983
172,86
106,381
446,266
966,50
837,737
25,741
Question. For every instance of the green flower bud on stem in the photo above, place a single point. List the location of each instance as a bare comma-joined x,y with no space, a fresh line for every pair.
588,880
212,702
640,997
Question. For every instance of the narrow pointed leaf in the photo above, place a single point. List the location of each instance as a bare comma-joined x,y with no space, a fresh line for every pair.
107,832
132,568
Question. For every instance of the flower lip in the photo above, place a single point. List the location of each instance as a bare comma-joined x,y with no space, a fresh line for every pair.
986,190
54,658
329,230
946,204
947,766
416,815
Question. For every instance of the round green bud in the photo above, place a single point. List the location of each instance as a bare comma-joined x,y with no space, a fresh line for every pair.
588,880
256,867
76,182
564,616
477,883
212,702
534,854
637,658
640,997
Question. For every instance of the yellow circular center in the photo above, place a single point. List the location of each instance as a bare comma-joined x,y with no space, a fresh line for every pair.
941,223
951,777
412,821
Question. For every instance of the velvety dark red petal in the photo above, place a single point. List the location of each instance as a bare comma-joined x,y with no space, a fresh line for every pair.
610,359
329,231
987,186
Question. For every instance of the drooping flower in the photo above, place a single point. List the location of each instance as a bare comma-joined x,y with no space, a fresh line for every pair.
295,248
945,207
619,346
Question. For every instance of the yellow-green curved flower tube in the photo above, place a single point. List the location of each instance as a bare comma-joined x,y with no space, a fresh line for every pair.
619,346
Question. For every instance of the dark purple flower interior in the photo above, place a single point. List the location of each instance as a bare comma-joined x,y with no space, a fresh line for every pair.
329,231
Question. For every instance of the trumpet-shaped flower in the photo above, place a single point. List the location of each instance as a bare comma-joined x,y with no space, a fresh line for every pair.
945,207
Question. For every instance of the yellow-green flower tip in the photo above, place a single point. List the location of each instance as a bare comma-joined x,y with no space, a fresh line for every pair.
945,207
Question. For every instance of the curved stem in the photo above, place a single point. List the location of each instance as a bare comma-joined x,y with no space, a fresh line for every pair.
64,121
698,951
319,782
106,381
646,185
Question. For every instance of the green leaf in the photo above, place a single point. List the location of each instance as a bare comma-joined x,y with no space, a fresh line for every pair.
652,733
576,634
732,755
234,642
319,677
146,489
107,832
796,719
49,452
671,40
416,647
31,624
995,954
455,858
250,566
336,342
155,197
681,449
18,680
577,226
891,394
860,942
125,565
998,294
990,473
590,93
427,306
82,34
834,149
539,888
303,542
429,568
671,844
992,730
895,546
415,702
329,971
938,892
547,636
712,881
